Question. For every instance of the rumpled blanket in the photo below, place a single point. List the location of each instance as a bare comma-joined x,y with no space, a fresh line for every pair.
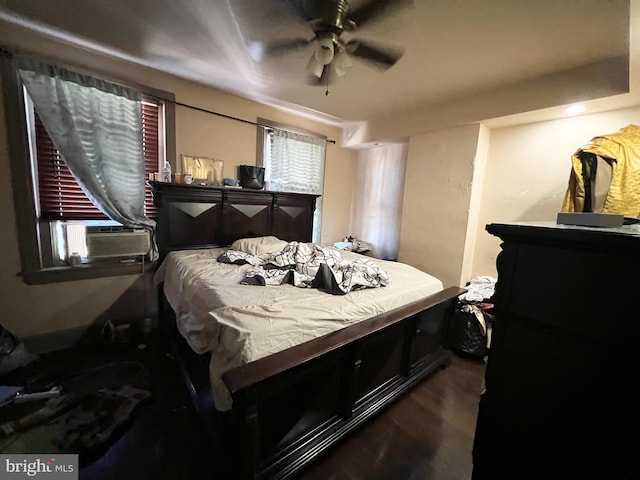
308,266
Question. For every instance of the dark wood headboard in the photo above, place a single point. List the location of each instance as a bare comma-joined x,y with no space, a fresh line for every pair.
194,216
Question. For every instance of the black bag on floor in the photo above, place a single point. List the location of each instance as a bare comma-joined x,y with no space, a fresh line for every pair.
471,330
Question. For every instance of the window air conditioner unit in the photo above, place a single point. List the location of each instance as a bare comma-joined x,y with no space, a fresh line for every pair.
103,243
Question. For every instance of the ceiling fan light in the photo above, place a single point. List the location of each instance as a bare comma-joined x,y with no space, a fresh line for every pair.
314,67
324,50
342,63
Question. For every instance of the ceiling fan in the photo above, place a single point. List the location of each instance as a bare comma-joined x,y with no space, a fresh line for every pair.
333,56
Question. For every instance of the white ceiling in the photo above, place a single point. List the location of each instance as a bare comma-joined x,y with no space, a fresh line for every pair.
452,48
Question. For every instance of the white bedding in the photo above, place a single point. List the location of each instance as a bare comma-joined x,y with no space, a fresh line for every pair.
241,323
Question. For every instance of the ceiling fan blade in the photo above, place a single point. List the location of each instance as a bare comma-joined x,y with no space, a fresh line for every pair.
382,57
260,50
374,9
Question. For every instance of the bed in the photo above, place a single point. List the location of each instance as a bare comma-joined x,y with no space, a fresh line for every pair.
282,373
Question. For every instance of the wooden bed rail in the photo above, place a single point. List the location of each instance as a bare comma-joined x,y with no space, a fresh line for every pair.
291,406
252,373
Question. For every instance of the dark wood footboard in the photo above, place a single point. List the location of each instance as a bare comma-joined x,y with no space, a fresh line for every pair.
291,406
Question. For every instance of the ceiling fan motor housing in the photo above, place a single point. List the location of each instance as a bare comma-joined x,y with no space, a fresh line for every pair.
334,17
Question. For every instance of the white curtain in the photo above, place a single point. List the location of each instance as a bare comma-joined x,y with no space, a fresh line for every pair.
296,164
378,195
97,128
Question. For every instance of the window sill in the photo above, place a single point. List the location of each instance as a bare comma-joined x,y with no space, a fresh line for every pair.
83,272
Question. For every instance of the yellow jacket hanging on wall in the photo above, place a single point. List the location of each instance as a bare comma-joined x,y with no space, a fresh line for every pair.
621,150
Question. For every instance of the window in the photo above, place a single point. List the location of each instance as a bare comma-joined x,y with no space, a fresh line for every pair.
53,214
294,162
377,201
63,203
61,198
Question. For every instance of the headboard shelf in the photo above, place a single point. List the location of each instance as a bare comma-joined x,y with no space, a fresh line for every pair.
197,216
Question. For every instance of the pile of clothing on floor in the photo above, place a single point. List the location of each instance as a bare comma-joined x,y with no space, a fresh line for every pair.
81,413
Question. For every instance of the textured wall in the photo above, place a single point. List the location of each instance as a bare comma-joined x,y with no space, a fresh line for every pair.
440,167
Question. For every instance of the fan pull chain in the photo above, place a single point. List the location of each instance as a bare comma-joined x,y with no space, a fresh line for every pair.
327,92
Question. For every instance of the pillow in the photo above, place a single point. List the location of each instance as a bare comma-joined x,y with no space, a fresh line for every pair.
258,245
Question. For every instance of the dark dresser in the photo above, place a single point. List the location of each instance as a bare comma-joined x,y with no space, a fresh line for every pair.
560,395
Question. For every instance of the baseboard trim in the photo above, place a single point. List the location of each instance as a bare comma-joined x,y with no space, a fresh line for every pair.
59,340
71,337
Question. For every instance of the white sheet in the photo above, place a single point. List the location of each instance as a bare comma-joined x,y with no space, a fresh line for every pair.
241,323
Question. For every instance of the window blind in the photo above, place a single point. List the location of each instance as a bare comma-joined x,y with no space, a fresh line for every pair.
61,198
151,146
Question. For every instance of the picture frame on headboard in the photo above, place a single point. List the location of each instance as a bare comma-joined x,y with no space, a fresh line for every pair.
205,170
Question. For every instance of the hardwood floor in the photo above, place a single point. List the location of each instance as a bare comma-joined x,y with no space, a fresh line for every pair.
428,434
